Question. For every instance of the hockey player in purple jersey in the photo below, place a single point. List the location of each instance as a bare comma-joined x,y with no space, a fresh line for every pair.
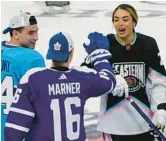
49,102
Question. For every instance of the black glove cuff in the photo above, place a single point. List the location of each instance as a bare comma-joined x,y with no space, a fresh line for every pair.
161,106
88,65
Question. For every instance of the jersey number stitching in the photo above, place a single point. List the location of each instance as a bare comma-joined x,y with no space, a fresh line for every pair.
70,118
7,92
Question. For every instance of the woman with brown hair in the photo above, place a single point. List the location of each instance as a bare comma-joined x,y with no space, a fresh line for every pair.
137,59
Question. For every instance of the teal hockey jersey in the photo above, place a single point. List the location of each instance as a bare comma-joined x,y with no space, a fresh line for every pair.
15,62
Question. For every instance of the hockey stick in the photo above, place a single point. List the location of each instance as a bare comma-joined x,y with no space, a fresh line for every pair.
146,118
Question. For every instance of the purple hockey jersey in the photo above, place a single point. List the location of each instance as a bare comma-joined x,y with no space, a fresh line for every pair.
49,103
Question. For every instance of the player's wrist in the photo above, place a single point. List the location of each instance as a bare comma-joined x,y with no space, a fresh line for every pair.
99,55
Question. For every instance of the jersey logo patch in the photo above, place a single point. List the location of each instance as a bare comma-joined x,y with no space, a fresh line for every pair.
63,76
133,72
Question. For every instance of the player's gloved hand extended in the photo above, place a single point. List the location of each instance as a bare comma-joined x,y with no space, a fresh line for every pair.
159,117
159,120
97,49
121,88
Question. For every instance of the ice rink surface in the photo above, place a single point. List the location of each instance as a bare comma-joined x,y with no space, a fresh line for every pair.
82,18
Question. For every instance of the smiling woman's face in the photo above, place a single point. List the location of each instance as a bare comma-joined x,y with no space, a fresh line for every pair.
123,23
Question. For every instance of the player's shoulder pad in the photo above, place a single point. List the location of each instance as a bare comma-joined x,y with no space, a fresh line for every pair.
26,76
27,55
30,54
84,69
34,53
150,42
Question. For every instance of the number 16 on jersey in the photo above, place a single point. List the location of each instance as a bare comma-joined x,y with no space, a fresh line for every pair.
70,118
